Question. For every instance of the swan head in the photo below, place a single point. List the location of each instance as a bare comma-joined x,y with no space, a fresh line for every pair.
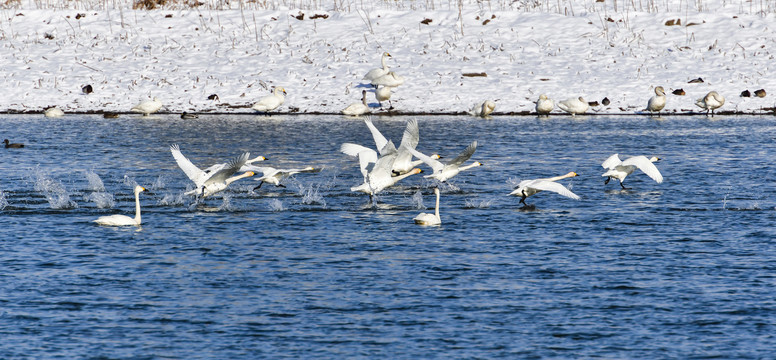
659,91
654,159
477,164
415,171
386,54
280,89
543,97
139,189
572,174
256,159
435,156
582,100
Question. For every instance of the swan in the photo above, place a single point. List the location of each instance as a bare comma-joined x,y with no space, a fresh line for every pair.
527,188
430,219
148,107
574,106
617,169
378,72
123,220
391,79
544,105
444,172
483,109
10,145
382,94
274,176
376,171
657,102
271,102
53,112
214,179
359,108
711,101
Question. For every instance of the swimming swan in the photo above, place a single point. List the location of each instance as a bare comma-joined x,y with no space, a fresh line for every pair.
123,220
271,102
527,188
619,170
430,219
711,101
657,102
359,108
483,109
274,176
378,72
148,107
544,105
444,172
574,106
216,179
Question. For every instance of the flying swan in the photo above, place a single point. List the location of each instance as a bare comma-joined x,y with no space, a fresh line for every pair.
214,179
271,175
617,169
527,188
430,219
123,220
376,171
444,172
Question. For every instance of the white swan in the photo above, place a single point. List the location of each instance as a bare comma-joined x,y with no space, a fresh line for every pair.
657,102
359,108
544,105
148,107
391,79
383,93
483,109
711,101
378,72
574,106
444,172
271,175
617,169
123,220
271,102
430,219
214,179
527,188
53,112
376,171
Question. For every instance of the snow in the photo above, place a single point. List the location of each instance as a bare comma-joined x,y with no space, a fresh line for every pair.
182,55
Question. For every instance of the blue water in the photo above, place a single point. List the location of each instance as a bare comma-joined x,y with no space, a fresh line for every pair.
684,269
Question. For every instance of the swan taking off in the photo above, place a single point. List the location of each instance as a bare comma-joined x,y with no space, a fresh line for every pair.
711,101
213,179
123,220
378,72
391,79
444,172
619,170
376,171
527,188
359,108
483,109
148,107
53,112
657,102
271,102
544,105
274,176
430,219
574,106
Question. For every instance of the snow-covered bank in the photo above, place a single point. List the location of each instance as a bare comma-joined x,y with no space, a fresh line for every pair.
185,56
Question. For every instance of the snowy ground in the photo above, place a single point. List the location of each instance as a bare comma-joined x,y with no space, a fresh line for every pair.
562,49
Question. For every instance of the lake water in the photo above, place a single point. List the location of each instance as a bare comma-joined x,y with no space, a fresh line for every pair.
683,269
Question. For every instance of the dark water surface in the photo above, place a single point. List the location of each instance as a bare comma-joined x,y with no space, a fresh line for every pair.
683,269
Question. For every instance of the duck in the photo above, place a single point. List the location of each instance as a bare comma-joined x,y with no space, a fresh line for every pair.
274,176
443,172
391,79
574,106
359,108
123,220
383,93
657,102
148,107
187,115
271,102
378,72
214,179
528,188
711,101
544,105
53,112
483,109
617,169
10,145
430,219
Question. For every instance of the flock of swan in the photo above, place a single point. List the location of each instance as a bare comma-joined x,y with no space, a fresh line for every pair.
381,167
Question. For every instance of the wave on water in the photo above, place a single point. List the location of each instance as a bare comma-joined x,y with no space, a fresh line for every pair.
56,195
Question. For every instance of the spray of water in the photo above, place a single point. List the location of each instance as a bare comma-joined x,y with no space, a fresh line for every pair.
95,183
53,191
417,200
478,204
3,201
275,205
99,197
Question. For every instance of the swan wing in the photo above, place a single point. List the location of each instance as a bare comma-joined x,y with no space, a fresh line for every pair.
611,162
355,149
380,140
645,166
546,185
192,171
411,135
366,156
465,155
433,163
227,171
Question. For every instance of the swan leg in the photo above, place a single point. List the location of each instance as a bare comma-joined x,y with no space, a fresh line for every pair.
607,180
281,185
260,183
623,186
391,104
522,200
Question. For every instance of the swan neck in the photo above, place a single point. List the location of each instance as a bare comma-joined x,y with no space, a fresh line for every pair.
560,177
137,207
436,210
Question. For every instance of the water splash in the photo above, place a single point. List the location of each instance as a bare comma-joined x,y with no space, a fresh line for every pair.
102,200
724,199
226,204
171,199
53,191
478,204
311,195
417,200
3,201
159,183
275,205
95,183
130,181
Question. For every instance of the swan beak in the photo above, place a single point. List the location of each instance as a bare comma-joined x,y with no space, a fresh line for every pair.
575,174
250,173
